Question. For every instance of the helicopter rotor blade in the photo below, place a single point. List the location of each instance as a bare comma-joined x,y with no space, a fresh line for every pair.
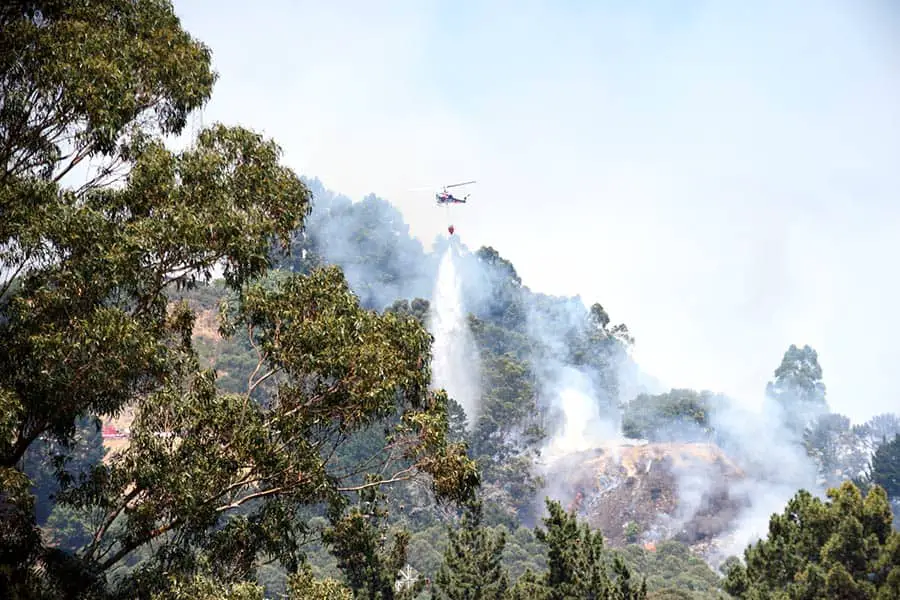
459,184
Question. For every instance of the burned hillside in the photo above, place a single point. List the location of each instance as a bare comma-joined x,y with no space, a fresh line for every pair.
638,492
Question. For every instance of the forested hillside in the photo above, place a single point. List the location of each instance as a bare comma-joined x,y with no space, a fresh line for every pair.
274,431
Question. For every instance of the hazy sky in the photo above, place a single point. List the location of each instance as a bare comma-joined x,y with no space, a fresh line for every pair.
724,177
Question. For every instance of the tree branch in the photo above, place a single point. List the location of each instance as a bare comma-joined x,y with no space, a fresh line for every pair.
14,274
23,441
256,383
101,531
260,360
128,548
253,496
404,475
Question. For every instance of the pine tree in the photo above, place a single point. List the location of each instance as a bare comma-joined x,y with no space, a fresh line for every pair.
472,568
359,541
578,566
886,467
839,548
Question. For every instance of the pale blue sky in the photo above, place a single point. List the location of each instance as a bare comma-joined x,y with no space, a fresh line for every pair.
724,177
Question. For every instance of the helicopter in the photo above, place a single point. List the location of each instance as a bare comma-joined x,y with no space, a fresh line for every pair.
445,198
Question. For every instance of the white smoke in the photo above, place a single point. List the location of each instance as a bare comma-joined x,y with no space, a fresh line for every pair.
581,413
371,242
455,363
578,411
775,465
582,426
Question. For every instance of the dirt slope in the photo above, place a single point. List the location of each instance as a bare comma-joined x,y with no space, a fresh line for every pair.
641,492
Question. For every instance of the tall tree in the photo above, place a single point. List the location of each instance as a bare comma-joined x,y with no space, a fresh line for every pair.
81,328
879,429
798,388
472,567
838,449
498,290
224,483
506,435
212,480
78,81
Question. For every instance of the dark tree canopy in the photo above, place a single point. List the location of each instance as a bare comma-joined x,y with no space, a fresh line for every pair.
885,469
472,567
680,414
842,548
577,564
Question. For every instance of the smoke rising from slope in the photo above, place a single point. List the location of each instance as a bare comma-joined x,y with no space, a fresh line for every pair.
775,463
582,408
573,399
578,389
370,241
580,381
579,416
583,414
455,361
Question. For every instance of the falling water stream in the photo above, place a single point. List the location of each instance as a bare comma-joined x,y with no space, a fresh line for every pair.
455,363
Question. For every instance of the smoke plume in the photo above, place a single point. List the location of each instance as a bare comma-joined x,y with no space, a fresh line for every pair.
582,371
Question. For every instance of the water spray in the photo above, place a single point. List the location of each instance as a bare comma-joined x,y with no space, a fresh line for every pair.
455,363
